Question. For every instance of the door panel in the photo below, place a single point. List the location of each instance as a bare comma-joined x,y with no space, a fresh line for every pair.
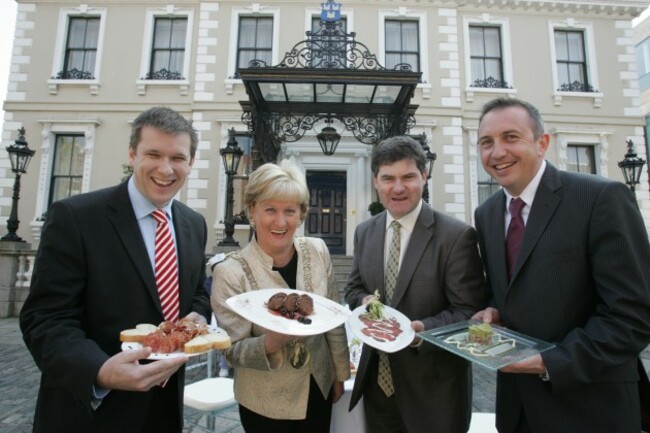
326,218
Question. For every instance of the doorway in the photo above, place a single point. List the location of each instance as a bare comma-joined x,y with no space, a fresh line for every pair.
326,218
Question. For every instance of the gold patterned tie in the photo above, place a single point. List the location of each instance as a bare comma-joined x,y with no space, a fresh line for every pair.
384,378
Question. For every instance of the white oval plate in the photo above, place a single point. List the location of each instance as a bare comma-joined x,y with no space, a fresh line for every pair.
177,354
390,334
252,307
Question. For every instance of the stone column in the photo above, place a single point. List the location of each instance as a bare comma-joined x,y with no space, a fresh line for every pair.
10,255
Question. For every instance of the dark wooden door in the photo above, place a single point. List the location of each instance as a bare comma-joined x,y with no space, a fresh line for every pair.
327,209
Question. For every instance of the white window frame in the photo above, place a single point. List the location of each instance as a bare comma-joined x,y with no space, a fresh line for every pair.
167,12
49,130
255,10
590,59
403,13
597,139
506,56
65,14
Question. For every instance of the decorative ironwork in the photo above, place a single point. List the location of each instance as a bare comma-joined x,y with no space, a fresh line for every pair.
240,218
328,76
164,74
577,86
74,74
491,83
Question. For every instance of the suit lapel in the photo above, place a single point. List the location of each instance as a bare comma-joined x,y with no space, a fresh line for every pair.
422,233
375,247
544,206
126,226
495,237
182,229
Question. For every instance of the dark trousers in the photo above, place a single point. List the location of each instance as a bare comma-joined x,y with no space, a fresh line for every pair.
382,414
319,414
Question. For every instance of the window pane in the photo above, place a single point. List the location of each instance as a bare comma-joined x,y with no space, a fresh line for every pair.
246,32
162,33
179,30
575,47
392,60
393,36
409,36
493,69
575,73
561,50
477,69
562,73
176,61
160,60
77,33
89,61
92,33
492,42
411,59
75,61
67,166
244,58
264,33
580,158
476,47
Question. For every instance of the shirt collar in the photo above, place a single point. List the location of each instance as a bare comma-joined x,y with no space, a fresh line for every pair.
141,206
528,194
408,220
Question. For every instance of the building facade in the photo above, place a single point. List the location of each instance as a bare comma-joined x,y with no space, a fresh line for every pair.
81,72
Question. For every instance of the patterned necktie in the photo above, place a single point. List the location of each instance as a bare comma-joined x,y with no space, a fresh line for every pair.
515,233
384,377
166,267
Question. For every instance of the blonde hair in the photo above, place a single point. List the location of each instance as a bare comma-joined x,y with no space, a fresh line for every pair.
284,182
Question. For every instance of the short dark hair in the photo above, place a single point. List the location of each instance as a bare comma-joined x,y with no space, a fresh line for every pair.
166,120
395,149
501,103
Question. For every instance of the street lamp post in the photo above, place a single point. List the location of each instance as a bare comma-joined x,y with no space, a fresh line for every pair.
19,156
231,154
631,166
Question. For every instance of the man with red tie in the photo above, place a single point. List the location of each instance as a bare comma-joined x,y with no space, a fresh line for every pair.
107,261
566,259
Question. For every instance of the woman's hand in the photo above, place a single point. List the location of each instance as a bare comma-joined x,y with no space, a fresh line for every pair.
337,391
274,341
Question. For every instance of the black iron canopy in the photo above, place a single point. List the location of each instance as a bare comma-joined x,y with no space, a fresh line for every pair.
327,80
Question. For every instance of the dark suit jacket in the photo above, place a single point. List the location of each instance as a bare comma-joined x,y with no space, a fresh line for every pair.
92,278
581,281
440,282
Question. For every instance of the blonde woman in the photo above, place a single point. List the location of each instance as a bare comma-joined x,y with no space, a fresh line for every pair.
282,384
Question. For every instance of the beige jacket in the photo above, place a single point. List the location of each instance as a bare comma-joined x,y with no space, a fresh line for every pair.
270,386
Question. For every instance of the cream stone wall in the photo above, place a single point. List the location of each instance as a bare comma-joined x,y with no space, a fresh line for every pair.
102,109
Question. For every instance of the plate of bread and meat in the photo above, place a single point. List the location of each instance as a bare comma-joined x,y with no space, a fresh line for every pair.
173,339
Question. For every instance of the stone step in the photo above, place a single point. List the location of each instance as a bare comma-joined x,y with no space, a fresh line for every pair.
342,266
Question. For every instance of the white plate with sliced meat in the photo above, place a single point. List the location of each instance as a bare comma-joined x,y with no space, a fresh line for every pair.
389,334
253,306
211,338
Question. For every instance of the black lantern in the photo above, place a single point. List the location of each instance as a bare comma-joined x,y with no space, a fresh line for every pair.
19,155
631,166
328,139
231,154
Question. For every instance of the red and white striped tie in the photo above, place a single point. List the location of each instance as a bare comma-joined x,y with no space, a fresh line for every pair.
166,267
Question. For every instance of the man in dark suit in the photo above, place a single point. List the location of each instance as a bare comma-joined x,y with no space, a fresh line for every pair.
440,281
580,279
94,276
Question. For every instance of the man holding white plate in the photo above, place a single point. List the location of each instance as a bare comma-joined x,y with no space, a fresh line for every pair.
430,263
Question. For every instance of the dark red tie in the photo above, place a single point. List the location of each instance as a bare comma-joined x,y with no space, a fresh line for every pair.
515,233
166,267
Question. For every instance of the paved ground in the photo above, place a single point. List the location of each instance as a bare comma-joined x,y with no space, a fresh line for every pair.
19,380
